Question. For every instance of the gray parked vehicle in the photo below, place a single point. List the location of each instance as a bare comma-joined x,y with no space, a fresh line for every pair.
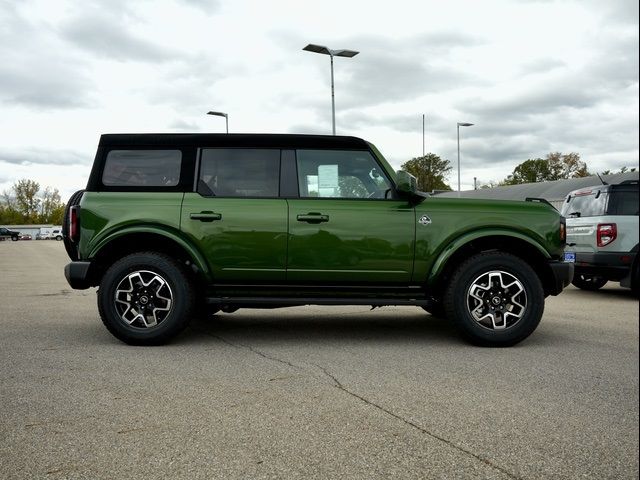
602,235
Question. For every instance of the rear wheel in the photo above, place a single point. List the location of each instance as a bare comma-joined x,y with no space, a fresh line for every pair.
146,299
495,299
589,282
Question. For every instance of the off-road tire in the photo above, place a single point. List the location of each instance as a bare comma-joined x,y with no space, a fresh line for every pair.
589,282
181,290
457,299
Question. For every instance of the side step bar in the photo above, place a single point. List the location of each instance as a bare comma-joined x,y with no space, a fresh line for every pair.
298,301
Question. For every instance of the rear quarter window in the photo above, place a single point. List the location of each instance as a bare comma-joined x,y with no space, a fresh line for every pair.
623,202
142,168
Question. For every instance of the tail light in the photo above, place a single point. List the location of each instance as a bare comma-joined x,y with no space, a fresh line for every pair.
74,223
606,233
563,230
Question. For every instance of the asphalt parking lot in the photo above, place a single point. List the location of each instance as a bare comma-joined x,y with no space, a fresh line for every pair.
310,392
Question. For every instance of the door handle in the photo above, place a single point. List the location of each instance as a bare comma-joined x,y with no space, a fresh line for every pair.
205,216
313,218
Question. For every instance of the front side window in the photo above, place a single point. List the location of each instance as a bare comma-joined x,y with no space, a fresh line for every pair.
142,168
340,174
239,172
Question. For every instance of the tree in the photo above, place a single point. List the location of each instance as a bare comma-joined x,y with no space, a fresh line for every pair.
49,202
430,170
26,204
554,166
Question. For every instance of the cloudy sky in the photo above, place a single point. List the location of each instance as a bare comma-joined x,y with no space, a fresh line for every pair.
534,76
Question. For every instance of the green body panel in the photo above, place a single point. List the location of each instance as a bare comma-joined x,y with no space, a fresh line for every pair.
455,222
248,243
153,212
105,215
369,241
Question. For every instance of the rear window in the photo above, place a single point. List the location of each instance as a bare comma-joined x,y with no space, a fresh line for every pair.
142,168
585,204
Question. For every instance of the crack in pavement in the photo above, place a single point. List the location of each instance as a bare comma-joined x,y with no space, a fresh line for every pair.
251,349
337,384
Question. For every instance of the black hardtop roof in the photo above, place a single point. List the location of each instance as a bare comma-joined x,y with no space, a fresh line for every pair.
253,140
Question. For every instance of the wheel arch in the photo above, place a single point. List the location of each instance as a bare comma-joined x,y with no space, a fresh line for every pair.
509,242
127,241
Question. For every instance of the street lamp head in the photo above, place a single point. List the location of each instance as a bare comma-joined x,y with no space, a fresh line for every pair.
317,49
327,51
345,53
464,124
217,114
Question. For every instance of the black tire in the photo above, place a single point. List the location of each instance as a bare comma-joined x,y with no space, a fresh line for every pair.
474,287
15,238
150,276
69,246
589,282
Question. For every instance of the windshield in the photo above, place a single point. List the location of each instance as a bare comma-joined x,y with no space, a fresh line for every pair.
585,204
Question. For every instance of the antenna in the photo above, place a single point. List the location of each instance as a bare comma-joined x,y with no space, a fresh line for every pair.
603,182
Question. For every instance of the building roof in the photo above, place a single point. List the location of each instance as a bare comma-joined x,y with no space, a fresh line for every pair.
554,191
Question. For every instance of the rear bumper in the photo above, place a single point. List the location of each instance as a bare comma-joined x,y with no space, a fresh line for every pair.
562,276
611,265
77,275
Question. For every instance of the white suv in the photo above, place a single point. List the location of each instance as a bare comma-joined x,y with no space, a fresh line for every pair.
602,235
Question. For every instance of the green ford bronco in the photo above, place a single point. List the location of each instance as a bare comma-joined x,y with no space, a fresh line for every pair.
171,226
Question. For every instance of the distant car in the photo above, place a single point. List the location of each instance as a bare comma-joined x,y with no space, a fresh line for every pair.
25,236
602,233
56,234
6,233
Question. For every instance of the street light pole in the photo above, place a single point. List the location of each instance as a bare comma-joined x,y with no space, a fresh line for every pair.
332,53
460,124
423,134
221,114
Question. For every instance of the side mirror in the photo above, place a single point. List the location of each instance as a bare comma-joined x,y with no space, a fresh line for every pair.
406,183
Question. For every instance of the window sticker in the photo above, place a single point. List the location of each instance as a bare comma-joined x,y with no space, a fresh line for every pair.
328,185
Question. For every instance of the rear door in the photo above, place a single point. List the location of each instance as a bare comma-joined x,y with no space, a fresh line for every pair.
345,226
236,216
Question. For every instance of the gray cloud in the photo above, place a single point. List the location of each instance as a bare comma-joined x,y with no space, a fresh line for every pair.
107,36
29,78
541,65
41,156
208,6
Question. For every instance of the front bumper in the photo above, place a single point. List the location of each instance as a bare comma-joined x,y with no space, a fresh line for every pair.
77,274
562,273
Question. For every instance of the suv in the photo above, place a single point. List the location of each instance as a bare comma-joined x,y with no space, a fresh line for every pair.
175,225
6,233
602,232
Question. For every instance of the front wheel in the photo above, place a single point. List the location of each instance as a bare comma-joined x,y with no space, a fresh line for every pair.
14,239
589,282
146,298
495,299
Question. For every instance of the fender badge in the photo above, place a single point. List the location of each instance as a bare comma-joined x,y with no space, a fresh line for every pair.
424,220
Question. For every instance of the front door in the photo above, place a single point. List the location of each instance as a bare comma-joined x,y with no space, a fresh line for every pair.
345,227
